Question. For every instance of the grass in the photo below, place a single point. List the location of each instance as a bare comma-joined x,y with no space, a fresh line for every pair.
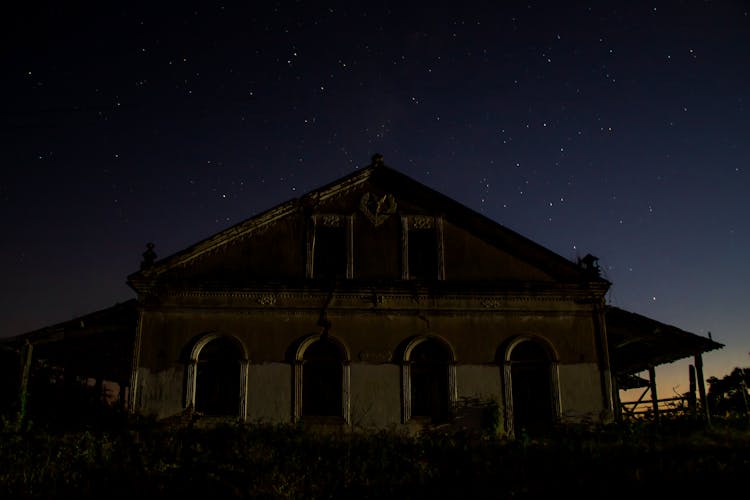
137,457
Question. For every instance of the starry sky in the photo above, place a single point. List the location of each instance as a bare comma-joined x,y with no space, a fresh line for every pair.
614,128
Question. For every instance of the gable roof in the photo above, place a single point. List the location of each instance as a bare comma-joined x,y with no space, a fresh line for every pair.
113,318
487,229
98,344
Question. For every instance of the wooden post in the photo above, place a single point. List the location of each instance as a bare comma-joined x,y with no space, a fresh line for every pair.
702,388
617,401
691,395
743,390
606,377
26,356
654,397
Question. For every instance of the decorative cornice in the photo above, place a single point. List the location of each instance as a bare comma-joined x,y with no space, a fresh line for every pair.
386,300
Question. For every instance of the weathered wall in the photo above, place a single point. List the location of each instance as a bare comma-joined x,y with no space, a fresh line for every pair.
161,393
580,392
375,395
476,336
479,388
269,392
469,258
478,381
374,341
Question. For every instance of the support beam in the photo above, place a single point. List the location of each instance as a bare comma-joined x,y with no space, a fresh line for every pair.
27,351
609,396
692,407
654,397
617,401
702,388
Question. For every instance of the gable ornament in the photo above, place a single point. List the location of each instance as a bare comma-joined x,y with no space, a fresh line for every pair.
149,256
377,209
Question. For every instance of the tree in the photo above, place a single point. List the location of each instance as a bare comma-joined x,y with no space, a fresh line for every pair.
730,393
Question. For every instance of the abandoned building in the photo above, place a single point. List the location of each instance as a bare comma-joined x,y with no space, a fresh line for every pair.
373,302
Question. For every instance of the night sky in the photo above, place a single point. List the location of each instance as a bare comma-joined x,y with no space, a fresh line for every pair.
613,128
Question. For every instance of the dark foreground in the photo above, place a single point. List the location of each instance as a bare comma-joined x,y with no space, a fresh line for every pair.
142,459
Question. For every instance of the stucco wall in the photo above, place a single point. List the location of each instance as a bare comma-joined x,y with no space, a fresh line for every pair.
580,392
375,395
374,342
476,337
478,388
161,393
269,390
478,382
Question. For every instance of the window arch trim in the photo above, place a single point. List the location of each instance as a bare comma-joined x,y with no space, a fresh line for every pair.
191,375
554,377
406,402
299,360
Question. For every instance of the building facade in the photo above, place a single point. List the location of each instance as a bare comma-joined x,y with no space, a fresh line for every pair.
373,302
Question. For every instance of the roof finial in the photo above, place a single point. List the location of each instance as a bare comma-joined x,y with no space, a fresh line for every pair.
590,264
149,256
377,160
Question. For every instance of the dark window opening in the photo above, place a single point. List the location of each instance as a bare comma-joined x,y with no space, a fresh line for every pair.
217,390
330,252
429,381
532,396
322,377
422,254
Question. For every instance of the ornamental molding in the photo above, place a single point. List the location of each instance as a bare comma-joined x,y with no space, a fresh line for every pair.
375,356
329,220
367,300
421,222
266,300
377,209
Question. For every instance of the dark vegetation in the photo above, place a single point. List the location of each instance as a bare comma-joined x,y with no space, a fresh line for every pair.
125,457
111,454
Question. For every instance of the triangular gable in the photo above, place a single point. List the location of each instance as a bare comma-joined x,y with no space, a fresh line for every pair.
249,226
379,183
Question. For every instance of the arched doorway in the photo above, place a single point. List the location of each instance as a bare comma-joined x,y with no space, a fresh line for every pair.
533,409
429,363
322,376
218,376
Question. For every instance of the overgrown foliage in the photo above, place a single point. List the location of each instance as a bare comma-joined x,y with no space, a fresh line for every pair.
135,456
729,394
105,453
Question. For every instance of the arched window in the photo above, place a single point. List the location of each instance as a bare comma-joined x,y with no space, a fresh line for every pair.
322,380
218,373
531,379
430,396
428,380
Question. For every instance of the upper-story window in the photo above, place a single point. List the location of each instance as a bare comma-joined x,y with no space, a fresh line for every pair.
330,247
422,247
